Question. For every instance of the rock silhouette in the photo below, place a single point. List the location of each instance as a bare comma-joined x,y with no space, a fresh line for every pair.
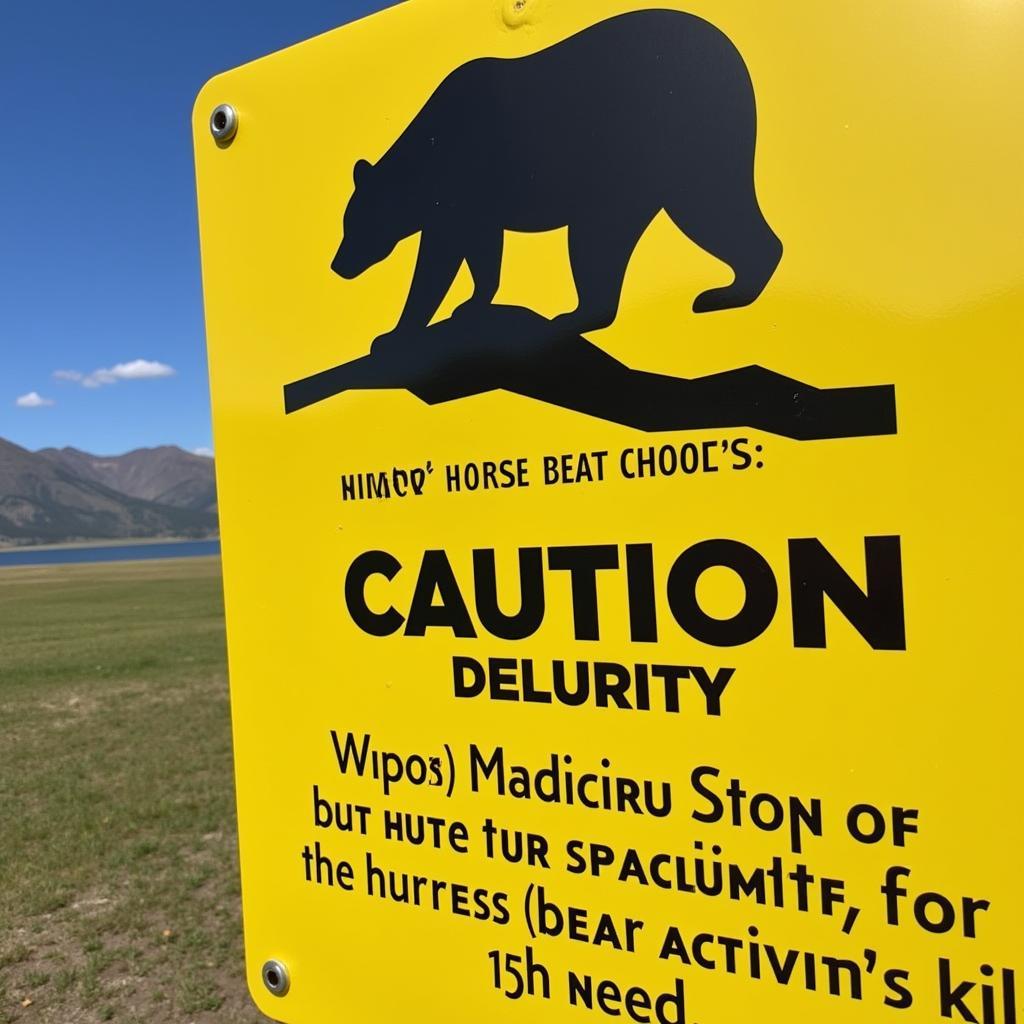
514,349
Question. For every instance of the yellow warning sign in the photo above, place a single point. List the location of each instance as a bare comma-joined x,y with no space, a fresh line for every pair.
616,416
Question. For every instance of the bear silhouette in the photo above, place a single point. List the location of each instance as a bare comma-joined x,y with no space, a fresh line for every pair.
647,111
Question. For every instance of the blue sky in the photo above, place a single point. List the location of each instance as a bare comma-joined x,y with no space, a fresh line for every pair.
99,254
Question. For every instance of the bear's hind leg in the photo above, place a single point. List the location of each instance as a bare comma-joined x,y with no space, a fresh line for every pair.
726,221
599,253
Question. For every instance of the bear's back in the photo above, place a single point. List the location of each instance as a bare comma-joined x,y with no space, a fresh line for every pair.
540,135
629,69
617,51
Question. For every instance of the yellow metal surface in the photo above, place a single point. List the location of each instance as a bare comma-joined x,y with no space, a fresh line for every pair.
889,162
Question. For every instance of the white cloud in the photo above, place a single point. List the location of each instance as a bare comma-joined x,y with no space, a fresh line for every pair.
137,369
207,453
33,400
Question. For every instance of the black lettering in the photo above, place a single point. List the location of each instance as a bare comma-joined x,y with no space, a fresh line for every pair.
436,576
877,613
582,563
761,598
527,620
371,563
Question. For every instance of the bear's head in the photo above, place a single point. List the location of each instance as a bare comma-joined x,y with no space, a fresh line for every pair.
369,234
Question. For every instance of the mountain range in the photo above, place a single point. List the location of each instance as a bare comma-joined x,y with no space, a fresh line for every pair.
56,495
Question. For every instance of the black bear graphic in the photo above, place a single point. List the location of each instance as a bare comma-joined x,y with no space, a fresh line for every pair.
647,111
644,112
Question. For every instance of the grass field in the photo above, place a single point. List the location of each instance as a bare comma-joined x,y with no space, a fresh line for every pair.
118,879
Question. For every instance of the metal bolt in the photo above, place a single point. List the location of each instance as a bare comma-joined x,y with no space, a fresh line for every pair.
224,122
516,12
275,977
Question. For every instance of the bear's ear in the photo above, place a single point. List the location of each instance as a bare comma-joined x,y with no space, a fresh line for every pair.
361,172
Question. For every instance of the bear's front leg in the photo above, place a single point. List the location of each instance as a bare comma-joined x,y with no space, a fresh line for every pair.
437,263
483,254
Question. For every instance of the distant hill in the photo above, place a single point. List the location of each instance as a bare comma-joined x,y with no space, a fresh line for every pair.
167,475
54,496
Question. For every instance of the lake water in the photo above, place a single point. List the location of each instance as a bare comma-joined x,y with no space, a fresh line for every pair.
114,553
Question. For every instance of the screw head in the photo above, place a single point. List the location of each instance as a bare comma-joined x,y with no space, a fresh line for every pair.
224,122
275,977
517,12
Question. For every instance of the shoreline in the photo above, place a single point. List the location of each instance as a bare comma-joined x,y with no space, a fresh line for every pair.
109,542
167,550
